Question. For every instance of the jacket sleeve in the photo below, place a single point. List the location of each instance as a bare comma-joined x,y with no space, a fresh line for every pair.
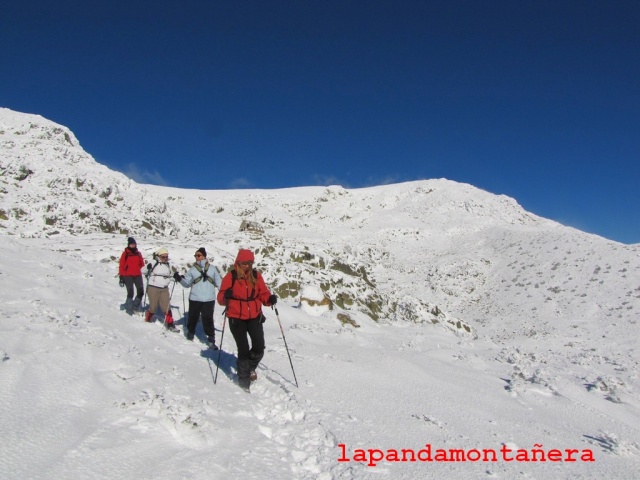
224,286
121,265
217,279
188,279
262,292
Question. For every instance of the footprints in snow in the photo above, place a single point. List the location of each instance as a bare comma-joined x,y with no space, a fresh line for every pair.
294,429
179,414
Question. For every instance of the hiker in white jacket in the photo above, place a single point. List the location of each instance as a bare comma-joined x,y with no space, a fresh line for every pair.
159,277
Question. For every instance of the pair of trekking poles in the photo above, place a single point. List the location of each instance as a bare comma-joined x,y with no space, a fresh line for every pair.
215,379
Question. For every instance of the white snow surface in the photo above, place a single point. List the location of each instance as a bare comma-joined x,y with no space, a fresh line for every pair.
480,326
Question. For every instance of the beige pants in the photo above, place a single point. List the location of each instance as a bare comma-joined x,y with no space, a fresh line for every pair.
158,297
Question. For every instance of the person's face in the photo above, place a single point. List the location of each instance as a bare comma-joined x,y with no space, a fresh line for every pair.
198,256
246,266
163,258
132,245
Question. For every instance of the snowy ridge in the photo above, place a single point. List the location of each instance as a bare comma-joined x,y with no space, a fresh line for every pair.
429,311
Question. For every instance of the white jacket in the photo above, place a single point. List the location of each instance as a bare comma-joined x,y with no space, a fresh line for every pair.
161,275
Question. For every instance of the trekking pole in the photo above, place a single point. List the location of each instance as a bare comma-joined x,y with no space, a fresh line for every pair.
170,297
220,348
144,300
147,276
285,344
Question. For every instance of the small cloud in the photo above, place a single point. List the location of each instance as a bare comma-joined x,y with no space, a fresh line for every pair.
326,180
240,183
144,176
388,180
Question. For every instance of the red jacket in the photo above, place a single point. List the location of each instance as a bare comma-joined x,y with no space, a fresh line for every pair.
247,301
130,263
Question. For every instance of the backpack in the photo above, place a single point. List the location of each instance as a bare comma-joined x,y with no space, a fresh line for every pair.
234,277
149,271
203,274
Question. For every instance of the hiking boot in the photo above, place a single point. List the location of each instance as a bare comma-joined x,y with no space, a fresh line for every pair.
190,336
171,327
148,316
245,384
128,306
253,376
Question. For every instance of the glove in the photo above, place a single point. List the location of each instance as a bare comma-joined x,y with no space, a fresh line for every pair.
228,294
177,277
273,299
121,281
149,267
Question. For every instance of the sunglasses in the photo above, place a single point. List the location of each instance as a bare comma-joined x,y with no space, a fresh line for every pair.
198,255
163,256
246,264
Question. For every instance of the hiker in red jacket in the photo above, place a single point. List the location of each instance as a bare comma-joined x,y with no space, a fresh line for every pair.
131,262
244,292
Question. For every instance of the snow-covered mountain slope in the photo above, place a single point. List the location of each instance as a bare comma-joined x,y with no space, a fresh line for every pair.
481,321
89,392
395,252
50,185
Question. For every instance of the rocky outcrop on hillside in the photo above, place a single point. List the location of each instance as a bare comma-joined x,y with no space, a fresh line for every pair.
50,185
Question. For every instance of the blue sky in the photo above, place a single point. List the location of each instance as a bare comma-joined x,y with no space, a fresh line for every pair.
538,100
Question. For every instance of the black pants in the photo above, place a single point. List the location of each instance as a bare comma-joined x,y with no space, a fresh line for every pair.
248,357
129,282
206,310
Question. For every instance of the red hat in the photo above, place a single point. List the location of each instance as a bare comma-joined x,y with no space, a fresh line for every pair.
245,256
